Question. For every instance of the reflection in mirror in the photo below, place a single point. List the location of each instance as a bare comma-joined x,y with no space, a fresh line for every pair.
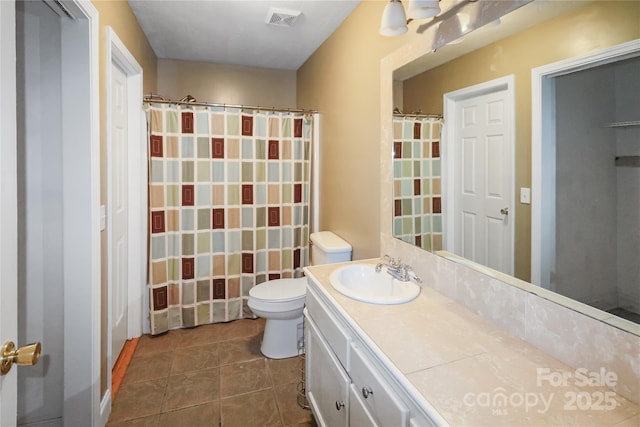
417,207
535,35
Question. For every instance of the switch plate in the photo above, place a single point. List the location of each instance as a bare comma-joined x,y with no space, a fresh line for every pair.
525,195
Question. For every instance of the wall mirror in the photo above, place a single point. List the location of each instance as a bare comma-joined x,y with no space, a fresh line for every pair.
486,77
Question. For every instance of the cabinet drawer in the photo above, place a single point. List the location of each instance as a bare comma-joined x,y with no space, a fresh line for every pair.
335,335
375,391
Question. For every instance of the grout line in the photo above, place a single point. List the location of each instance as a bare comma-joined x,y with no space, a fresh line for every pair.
273,390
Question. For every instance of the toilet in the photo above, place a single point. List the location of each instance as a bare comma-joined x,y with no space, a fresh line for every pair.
281,301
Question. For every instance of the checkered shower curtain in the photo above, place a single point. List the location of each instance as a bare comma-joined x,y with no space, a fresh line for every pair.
228,206
417,181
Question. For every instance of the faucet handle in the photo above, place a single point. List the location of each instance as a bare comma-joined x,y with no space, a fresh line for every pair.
408,273
414,277
393,263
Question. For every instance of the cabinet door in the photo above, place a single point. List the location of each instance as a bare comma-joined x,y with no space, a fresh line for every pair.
359,415
326,382
377,394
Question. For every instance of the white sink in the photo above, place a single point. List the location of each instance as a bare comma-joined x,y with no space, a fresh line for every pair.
362,283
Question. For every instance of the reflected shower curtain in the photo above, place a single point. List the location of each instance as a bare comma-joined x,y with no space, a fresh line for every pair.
417,193
229,208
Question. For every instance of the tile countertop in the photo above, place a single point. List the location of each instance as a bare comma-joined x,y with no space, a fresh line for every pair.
465,367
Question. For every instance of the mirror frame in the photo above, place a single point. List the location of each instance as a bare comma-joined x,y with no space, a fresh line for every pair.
406,62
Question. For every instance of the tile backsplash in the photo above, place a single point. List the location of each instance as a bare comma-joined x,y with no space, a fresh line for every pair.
574,338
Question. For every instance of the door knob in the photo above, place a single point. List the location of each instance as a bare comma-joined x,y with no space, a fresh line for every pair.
504,211
27,355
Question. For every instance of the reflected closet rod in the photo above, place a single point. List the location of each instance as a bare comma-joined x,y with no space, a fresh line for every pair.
189,100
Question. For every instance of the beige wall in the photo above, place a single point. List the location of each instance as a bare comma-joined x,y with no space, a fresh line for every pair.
595,26
117,15
342,80
228,84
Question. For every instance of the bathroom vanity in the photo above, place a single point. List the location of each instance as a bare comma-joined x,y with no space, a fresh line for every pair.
431,362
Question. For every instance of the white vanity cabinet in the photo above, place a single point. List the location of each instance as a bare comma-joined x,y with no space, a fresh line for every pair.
346,384
359,414
327,385
376,391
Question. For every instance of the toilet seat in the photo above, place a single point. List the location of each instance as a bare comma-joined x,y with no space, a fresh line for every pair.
278,295
280,290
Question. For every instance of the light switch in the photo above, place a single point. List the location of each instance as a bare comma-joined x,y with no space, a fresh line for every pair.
525,195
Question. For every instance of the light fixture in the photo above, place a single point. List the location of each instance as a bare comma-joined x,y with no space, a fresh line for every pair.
459,25
394,21
423,9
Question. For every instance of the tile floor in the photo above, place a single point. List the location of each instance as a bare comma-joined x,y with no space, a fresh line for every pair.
212,375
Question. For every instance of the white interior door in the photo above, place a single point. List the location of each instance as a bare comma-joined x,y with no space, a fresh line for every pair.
127,196
77,394
119,213
481,180
8,210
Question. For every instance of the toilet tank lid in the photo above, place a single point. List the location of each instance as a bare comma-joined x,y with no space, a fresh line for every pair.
329,242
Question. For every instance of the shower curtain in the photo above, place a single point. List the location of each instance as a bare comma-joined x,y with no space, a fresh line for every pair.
417,193
228,205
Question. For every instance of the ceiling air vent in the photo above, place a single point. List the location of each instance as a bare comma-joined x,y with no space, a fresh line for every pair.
282,17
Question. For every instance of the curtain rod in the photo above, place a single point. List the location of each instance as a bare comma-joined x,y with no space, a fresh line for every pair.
189,100
426,116
418,113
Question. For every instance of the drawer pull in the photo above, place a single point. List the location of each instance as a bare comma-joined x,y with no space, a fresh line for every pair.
366,391
339,405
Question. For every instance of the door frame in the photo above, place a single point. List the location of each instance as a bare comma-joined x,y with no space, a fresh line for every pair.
8,205
543,149
449,155
81,207
117,53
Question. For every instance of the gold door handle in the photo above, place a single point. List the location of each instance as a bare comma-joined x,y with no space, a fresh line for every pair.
27,355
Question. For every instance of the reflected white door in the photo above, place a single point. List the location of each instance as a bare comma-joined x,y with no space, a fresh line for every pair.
482,175
119,214
8,210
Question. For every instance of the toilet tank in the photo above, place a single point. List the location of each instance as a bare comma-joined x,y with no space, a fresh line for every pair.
328,248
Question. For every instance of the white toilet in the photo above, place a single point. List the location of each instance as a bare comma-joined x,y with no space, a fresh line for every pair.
281,301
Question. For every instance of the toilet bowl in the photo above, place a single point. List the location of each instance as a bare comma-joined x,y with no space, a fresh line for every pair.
281,301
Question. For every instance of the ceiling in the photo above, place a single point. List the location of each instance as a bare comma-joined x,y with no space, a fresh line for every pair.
235,31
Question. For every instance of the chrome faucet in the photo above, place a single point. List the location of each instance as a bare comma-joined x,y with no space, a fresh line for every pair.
388,262
398,270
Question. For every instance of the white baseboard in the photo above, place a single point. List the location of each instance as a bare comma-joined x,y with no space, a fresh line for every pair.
105,408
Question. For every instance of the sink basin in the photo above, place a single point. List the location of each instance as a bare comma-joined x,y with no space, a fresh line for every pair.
362,283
